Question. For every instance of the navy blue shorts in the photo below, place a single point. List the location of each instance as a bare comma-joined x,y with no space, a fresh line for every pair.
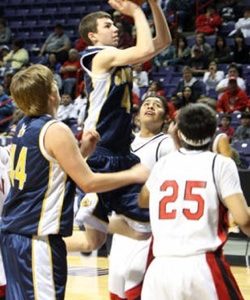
36,267
124,200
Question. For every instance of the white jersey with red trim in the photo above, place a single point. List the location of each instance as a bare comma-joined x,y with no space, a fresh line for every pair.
4,189
128,257
185,210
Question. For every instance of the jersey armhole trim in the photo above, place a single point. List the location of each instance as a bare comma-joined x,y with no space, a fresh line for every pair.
158,147
41,141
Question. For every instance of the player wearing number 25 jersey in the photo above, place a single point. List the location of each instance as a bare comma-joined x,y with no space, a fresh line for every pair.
190,192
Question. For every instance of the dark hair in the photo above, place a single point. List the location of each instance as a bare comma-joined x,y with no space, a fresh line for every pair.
226,116
197,122
245,115
220,37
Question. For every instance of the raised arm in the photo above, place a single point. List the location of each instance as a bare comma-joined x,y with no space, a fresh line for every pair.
144,46
162,37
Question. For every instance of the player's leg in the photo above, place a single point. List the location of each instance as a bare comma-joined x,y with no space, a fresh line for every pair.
85,241
2,279
36,267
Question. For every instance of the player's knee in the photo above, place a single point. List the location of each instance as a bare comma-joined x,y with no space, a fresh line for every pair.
96,241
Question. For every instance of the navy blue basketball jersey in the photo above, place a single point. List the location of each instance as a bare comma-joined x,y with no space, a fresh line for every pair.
109,103
40,201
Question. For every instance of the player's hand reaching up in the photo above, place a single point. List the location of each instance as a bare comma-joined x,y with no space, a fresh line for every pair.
88,142
126,7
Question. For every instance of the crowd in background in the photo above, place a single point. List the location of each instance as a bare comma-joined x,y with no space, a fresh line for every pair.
199,63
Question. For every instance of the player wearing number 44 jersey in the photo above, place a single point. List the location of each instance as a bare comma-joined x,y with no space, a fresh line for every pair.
189,193
45,165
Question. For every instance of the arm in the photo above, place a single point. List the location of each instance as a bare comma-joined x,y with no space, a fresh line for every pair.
144,47
143,200
163,37
224,147
60,144
237,206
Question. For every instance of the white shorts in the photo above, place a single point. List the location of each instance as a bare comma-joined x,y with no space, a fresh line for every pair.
200,277
127,264
2,274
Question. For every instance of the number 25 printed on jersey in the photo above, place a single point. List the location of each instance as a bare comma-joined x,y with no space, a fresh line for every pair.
189,195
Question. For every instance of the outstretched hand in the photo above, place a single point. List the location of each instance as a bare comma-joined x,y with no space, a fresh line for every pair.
125,7
88,142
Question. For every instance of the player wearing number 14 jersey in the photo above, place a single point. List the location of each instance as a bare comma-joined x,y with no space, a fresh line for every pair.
189,193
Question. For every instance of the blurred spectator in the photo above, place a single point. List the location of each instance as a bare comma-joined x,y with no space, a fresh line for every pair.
198,88
183,10
67,112
243,24
164,58
6,110
200,43
5,33
155,88
221,52
140,77
198,62
240,51
233,71
55,67
80,44
17,57
209,22
69,72
227,9
182,51
242,132
233,99
53,63
17,116
225,126
4,50
125,38
57,42
80,104
212,77
184,98
7,81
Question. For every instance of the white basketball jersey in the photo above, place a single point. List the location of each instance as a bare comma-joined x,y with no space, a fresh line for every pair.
4,178
4,189
151,149
184,202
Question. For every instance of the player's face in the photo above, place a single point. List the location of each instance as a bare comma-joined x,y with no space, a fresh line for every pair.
152,110
107,33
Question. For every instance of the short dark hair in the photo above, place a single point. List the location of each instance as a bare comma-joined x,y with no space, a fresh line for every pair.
245,115
197,122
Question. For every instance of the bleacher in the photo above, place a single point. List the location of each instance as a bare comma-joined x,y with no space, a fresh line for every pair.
34,20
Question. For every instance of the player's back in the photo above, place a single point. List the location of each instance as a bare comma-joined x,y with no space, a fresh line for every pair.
36,203
184,204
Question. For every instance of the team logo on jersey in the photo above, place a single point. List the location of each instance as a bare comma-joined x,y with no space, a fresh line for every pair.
22,131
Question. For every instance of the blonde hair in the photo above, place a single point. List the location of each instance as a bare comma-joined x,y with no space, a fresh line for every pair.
30,89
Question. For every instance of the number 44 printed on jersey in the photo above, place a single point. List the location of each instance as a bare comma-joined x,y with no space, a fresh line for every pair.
18,171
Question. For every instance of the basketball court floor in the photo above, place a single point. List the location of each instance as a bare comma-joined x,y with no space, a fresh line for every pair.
88,275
